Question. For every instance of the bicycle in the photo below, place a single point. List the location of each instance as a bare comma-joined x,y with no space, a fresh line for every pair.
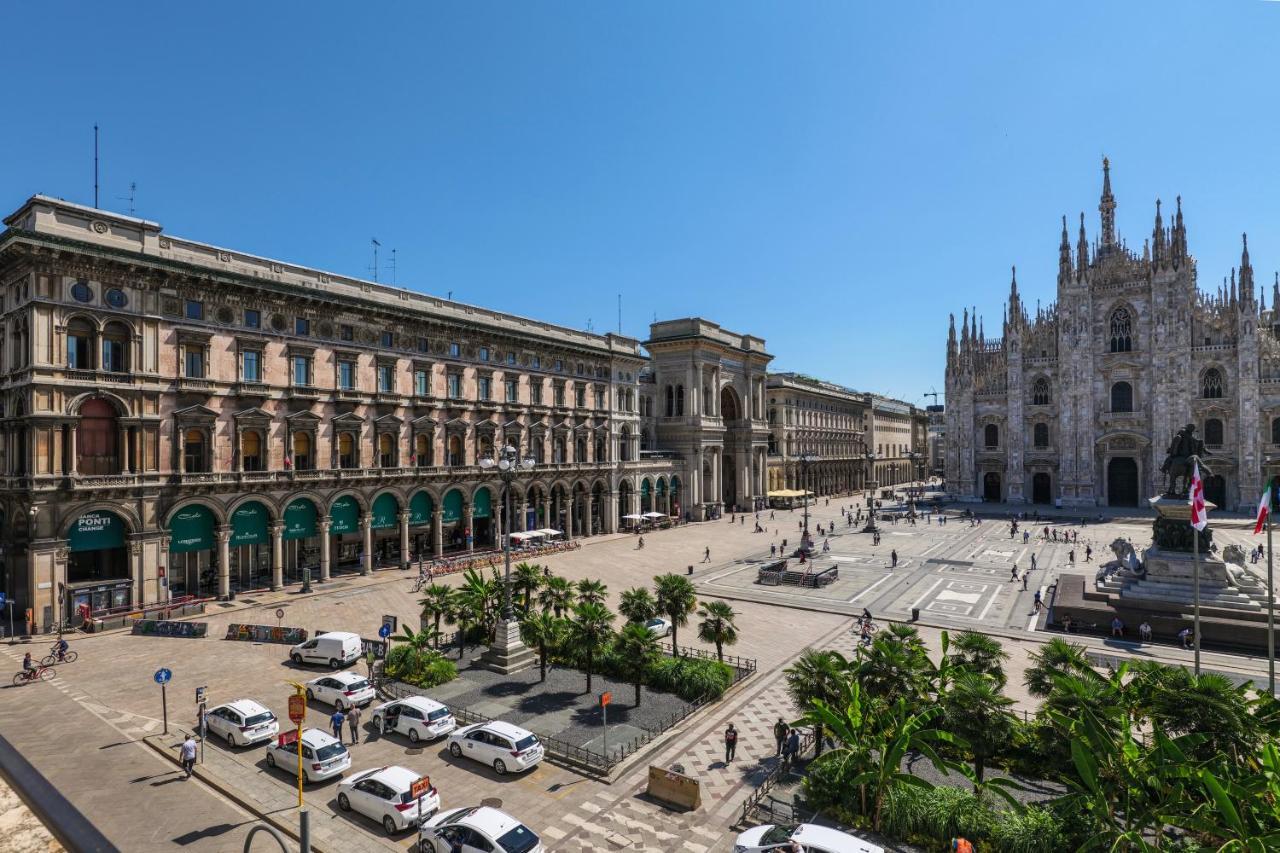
40,673
864,628
52,658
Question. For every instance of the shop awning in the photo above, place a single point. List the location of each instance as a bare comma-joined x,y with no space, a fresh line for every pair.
249,525
634,517
300,519
344,515
420,509
482,506
191,529
95,531
789,493
452,507
386,512
655,515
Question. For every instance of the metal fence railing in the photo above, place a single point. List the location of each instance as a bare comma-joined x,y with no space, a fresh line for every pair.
742,667
771,778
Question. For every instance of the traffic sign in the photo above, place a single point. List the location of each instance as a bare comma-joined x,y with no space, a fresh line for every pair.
391,622
200,691
297,709
606,698
420,788
163,675
279,612
384,630
287,737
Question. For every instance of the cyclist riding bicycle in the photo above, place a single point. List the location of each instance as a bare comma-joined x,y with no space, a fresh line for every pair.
28,665
61,648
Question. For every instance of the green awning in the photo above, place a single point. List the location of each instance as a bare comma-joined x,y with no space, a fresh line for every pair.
300,519
420,509
644,488
386,512
344,515
191,530
452,509
482,506
675,485
95,531
249,525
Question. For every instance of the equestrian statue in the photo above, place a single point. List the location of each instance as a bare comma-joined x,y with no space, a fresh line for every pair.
1185,452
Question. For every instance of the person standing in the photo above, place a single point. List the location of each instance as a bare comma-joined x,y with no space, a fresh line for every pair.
353,723
893,558
706,555
335,723
188,755
792,747
730,743
779,735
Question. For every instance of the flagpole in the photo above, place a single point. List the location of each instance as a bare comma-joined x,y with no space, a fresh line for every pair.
1271,598
1196,552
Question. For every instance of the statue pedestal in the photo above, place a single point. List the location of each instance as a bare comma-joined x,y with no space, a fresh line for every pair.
508,654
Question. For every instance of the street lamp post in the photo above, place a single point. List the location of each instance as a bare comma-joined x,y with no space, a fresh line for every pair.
870,526
508,654
805,459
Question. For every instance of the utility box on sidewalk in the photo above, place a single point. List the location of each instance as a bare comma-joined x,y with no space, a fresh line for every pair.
674,788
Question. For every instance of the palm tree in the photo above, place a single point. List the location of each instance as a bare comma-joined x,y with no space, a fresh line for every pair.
557,595
1056,657
676,600
417,640
589,631
527,577
817,676
976,710
592,592
1211,706
717,626
637,649
637,605
899,732
481,596
889,669
438,602
544,632
981,654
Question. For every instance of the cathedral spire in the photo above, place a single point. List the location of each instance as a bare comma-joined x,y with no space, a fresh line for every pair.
1179,241
1107,207
1157,238
1275,293
1232,294
964,329
1082,249
1064,252
1246,270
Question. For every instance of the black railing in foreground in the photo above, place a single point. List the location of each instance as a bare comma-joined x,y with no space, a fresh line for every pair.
63,820
771,779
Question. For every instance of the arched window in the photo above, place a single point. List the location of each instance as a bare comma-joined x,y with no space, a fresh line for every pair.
422,450
991,435
484,447
1122,397
538,447
347,450
80,335
624,444
557,450
601,455
1040,392
1213,432
1211,385
387,450
455,451
1121,331
1275,431
193,452
679,400
302,460
580,450
251,450
97,441
1040,435
115,348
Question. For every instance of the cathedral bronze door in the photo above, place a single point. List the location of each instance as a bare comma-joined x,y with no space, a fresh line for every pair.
991,487
1122,481
1215,490
1041,492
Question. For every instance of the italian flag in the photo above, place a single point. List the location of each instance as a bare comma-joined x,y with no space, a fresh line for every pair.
1264,507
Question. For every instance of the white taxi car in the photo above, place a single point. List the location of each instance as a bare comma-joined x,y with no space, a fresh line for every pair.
323,756
417,717
477,828
503,746
385,794
342,690
241,722
813,838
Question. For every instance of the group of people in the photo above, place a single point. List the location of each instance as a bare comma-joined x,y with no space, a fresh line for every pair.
1186,636
351,718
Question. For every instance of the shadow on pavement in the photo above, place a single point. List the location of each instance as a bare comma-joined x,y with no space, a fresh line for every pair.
208,832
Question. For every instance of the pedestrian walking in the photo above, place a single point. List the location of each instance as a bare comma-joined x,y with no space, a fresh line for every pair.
1071,557
773,550
1088,552
1185,636
779,735
706,555
1037,604
1013,575
1026,576
1033,562
792,747
353,723
188,755
893,558
730,743
335,723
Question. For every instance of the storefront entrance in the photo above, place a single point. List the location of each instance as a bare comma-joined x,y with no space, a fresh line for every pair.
250,547
97,564
301,539
386,530
346,545
192,553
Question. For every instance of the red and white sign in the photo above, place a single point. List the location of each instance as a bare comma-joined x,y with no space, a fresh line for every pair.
297,709
287,737
420,788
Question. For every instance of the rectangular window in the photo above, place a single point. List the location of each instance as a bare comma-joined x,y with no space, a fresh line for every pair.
195,362
252,318
301,371
559,366
388,339
455,386
193,310
560,394
537,362
484,388
421,387
511,358
301,326
535,393
386,378
346,333
455,350
484,353
113,355
580,397
251,366
346,375
424,345
513,391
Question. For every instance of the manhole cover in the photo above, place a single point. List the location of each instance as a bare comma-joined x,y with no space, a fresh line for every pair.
248,601
492,802
414,751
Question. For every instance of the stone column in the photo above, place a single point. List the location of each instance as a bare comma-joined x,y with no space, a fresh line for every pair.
522,516
325,545
224,561
546,511
366,533
75,462
404,539
138,571
277,555
437,532
468,519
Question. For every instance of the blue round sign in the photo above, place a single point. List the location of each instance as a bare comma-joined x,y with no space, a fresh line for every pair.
163,675
384,631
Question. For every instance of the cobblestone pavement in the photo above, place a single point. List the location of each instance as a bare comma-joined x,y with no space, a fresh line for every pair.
82,730
21,830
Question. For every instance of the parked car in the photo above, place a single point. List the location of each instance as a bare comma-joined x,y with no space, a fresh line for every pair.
342,690
417,717
477,828
384,794
659,627
336,648
241,722
501,745
323,756
813,838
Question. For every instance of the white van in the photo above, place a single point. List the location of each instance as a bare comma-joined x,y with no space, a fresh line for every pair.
336,648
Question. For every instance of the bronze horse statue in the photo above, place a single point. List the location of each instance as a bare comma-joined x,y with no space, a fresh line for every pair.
1185,452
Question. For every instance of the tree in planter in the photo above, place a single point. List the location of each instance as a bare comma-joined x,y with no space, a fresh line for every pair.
589,632
818,676
592,592
637,605
527,578
717,626
676,600
543,632
637,650
980,654
438,603
556,595
976,710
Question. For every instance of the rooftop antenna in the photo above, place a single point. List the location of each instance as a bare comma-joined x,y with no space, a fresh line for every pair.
588,324
95,165
393,266
133,189
376,244
619,313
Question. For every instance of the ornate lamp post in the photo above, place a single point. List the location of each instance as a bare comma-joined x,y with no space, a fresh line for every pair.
805,459
870,526
508,653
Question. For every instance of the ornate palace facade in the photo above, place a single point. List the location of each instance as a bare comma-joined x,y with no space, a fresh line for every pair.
1077,402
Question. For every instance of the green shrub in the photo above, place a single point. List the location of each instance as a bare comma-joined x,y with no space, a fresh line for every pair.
691,678
1033,830
419,667
934,815
828,789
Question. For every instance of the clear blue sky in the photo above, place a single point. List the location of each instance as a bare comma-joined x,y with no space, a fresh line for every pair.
835,177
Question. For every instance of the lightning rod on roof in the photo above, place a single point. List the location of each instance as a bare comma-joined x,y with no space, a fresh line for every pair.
376,244
95,165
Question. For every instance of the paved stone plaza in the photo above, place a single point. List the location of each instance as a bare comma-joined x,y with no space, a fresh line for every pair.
85,730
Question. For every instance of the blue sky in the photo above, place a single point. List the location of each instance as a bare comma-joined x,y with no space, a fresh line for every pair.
835,177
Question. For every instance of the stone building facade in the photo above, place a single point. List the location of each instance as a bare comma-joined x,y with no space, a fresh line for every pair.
1076,403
